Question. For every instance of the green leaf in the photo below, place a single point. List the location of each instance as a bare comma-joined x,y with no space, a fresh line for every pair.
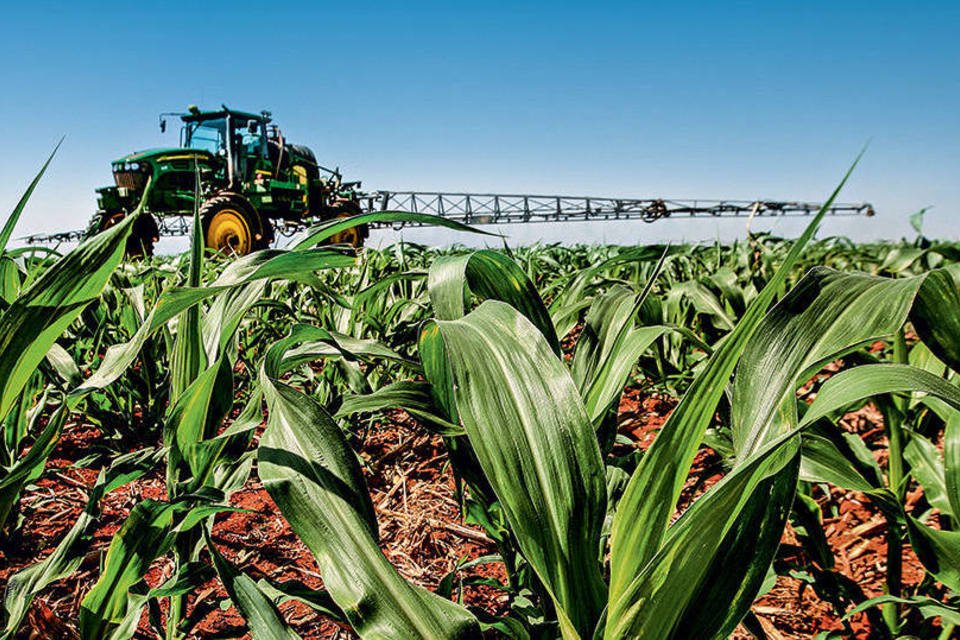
608,348
488,275
188,357
725,596
927,467
526,422
29,467
825,316
411,396
934,318
938,551
261,265
852,386
24,585
655,601
314,477
11,222
146,534
326,230
31,325
646,508
260,613
928,607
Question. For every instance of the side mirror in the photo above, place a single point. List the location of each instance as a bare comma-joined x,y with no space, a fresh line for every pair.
163,125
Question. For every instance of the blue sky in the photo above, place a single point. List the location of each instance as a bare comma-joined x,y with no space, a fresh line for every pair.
681,99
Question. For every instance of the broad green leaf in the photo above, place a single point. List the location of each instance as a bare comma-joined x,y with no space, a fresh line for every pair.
411,396
488,275
24,585
326,230
927,467
146,534
951,461
645,511
261,265
655,601
314,477
192,423
725,596
825,316
938,551
855,385
934,316
260,613
824,462
533,438
608,348
31,325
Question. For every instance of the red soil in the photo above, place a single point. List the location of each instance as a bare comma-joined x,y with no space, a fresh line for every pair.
422,532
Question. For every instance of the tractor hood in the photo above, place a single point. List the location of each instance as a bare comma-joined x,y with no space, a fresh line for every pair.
172,153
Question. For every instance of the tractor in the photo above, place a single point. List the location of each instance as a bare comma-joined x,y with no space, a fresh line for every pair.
248,181
249,185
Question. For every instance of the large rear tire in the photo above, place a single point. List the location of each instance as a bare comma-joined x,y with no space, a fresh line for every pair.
231,225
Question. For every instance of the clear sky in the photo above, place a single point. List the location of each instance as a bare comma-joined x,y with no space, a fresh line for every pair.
681,99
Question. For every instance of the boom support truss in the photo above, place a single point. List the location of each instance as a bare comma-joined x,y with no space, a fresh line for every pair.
491,208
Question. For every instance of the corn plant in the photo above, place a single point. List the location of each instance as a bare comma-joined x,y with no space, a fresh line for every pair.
533,443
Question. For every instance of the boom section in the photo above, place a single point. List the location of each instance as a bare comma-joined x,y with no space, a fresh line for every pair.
490,208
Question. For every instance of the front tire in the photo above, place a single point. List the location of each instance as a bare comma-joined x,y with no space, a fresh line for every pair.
231,225
142,237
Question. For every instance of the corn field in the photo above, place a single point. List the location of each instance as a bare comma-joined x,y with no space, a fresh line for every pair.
199,380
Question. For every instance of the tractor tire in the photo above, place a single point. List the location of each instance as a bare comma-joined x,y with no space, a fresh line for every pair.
354,236
232,226
143,236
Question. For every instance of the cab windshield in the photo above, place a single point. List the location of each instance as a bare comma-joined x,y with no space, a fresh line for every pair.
209,135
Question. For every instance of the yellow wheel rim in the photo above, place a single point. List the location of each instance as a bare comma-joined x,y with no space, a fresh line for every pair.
229,233
348,236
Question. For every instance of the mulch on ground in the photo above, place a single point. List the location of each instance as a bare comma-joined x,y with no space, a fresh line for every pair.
422,532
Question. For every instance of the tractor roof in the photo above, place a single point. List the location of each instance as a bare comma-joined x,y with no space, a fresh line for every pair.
196,115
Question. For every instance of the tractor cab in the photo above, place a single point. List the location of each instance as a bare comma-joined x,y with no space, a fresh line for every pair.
238,139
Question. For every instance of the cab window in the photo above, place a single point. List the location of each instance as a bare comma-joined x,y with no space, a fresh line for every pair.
207,136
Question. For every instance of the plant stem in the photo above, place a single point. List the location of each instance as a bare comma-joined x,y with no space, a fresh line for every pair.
895,476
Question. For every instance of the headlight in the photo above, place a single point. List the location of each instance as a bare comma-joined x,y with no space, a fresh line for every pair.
134,166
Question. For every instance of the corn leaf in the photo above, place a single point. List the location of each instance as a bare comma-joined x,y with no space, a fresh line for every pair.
146,534
326,230
262,617
533,438
645,510
14,217
31,325
261,265
314,477
826,315
488,275
411,396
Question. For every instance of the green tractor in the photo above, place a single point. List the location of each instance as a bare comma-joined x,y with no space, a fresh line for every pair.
253,184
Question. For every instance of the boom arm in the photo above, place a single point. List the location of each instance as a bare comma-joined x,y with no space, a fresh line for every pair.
486,208
491,208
